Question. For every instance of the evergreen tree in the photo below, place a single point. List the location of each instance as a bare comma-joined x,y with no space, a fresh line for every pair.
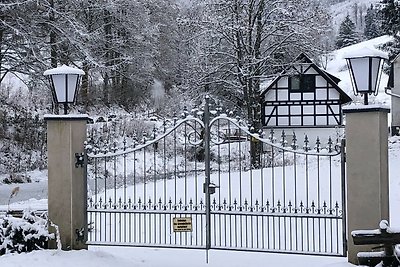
390,16
372,28
347,33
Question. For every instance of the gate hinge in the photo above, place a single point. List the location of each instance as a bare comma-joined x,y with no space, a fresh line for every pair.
79,160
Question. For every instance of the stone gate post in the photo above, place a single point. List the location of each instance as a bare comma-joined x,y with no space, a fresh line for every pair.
367,171
67,196
395,99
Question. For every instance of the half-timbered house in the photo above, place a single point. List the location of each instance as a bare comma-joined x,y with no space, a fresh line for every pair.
303,96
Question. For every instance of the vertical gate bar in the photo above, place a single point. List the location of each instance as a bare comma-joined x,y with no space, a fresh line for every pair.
100,225
150,228
251,192
105,181
343,174
196,200
125,189
175,163
164,203
170,236
219,179
273,193
240,174
262,194
115,195
283,179
115,178
96,224
185,169
207,172
215,216
155,148
144,192
307,205
225,229
284,194
96,190
110,222
105,198
231,236
319,200
273,176
125,172
229,169
134,191
330,200
134,174
185,165
295,197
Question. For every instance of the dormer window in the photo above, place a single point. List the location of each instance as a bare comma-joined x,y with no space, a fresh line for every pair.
302,83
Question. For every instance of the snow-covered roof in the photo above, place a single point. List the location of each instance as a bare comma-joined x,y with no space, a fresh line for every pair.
64,70
365,52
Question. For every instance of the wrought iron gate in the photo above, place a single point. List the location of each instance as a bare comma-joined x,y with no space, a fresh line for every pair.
210,183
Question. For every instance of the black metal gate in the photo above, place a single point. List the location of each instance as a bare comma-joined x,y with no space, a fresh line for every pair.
210,183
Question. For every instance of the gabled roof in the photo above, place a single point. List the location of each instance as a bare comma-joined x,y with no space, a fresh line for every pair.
303,58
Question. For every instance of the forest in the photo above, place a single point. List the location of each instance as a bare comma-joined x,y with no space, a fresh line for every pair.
143,56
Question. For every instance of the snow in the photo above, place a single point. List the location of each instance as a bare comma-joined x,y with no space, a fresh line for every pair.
140,257
338,67
64,70
146,257
66,117
366,107
365,52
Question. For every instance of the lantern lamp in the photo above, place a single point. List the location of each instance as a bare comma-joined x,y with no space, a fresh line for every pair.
64,82
365,67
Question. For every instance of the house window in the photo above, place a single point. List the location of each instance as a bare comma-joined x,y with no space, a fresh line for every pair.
302,83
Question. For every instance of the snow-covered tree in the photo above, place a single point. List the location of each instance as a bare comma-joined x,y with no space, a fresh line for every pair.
249,39
372,23
390,15
347,34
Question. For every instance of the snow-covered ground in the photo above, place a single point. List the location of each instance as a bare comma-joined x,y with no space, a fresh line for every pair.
138,257
142,257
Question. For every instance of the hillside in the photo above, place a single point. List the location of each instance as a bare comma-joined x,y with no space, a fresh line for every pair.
340,10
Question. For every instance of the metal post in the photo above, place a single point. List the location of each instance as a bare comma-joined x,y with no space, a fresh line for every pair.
66,96
344,207
366,99
207,172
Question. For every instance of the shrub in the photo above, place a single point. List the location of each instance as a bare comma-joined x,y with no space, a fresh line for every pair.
23,234
17,179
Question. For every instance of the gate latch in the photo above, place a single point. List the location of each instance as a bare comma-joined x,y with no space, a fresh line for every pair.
211,188
79,160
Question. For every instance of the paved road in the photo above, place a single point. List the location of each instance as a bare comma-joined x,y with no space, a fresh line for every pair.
27,191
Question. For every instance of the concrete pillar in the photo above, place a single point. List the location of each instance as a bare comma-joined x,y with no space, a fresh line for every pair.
395,111
67,187
367,171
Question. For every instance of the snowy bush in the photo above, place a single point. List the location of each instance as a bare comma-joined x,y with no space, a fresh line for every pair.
23,234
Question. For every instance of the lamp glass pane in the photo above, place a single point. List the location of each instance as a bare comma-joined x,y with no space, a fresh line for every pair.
375,63
72,85
360,70
59,87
